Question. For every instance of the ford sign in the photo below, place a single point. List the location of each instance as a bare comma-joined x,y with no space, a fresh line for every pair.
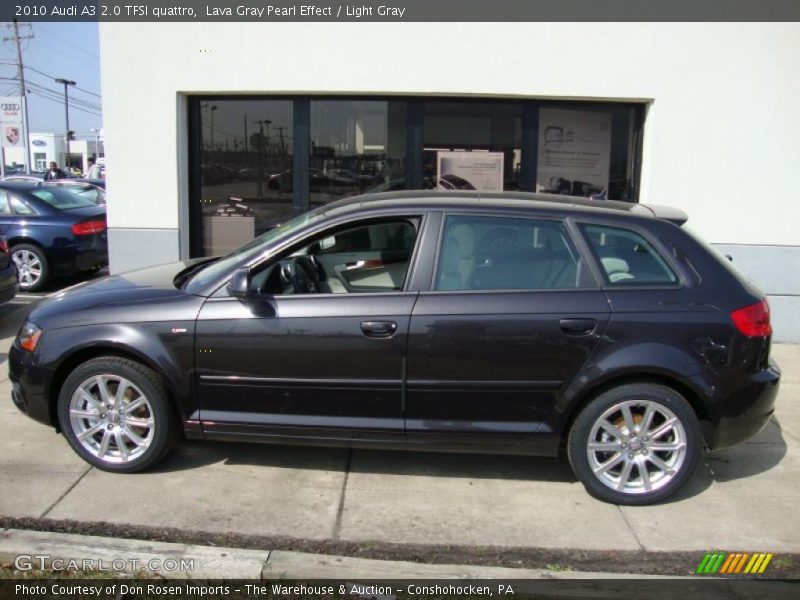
39,143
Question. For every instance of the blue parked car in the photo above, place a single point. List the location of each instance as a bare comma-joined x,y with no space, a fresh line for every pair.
8,273
52,231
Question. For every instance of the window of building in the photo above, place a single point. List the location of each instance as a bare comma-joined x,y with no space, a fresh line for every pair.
472,145
499,253
627,258
357,146
244,150
257,162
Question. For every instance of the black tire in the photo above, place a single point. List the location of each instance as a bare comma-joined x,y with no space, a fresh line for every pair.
165,422
44,277
671,480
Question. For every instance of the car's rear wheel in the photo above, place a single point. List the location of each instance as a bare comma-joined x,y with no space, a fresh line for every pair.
33,271
115,413
635,444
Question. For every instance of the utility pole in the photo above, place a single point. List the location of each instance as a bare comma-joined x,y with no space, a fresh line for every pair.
280,129
261,138
213,108
66,83
23,92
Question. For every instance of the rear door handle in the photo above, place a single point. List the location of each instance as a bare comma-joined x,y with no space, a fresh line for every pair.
379,329
577,326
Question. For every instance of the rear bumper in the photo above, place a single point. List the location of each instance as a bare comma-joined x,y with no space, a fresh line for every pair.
75,259
748,409
8,283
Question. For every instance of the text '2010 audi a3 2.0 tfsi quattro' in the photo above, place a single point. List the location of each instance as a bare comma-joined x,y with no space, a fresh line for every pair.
455,321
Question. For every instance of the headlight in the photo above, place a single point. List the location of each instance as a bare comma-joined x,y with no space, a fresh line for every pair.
28,336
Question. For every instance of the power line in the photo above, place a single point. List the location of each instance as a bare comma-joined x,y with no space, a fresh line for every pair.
72,101
62,51
61,101
53,77
65,41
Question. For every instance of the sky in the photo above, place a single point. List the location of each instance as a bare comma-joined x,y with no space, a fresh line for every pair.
58,50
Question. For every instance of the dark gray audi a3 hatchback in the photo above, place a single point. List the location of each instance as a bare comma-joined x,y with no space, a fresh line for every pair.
454,321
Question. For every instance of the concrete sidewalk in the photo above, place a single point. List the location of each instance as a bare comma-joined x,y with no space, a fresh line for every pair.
739,499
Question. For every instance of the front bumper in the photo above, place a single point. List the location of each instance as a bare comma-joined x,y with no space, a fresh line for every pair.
30,385
747,408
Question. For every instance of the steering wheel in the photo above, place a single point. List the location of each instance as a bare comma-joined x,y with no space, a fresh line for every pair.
299,275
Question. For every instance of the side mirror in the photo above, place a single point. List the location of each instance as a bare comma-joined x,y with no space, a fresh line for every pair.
239,285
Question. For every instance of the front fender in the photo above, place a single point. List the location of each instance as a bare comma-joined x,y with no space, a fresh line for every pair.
165,347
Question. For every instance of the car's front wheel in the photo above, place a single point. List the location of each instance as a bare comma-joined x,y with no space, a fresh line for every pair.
115,413
635,444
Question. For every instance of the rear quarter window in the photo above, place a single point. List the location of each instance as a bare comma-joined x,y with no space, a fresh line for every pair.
626,257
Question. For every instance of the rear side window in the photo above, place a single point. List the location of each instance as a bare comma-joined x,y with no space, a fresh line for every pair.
507,253
626,257
62,199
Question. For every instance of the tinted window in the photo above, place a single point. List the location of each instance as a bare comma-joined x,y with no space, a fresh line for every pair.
62,199
19,207
499,253
627,258
5,209
370,257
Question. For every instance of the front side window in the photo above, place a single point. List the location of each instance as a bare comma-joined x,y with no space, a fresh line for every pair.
627,258
369,257
506,253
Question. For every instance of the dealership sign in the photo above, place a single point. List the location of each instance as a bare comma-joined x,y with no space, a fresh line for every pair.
11,122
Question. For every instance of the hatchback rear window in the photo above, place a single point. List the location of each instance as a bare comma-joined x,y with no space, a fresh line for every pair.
62,199
627,258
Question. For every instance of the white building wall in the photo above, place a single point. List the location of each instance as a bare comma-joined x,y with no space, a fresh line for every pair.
721,134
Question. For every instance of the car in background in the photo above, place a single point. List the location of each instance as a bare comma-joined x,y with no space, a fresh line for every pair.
51,232
90,189
8,273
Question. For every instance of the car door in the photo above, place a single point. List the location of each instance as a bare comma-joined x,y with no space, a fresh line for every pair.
512,314
323,360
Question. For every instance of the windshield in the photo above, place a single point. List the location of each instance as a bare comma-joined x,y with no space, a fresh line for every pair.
62,199
213,270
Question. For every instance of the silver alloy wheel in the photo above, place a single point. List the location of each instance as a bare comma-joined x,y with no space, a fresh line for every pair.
29,267
111,418
636,446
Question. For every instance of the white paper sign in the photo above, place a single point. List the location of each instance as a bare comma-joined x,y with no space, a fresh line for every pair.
574,152
469,171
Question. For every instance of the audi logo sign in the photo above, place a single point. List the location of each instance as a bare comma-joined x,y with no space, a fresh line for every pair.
9,106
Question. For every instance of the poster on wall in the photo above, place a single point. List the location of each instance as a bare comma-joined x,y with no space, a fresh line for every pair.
11,122
574,152
469,171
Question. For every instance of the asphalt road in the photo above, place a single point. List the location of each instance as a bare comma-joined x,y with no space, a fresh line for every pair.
739,499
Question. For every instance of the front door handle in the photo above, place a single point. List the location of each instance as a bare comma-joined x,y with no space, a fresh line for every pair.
379,329
577,326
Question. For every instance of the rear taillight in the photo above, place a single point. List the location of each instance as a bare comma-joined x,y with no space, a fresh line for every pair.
4,246
753,320
88,227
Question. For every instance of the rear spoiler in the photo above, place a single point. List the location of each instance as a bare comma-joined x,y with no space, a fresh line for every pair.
659,211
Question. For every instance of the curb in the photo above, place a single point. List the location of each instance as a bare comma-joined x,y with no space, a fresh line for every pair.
215,562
